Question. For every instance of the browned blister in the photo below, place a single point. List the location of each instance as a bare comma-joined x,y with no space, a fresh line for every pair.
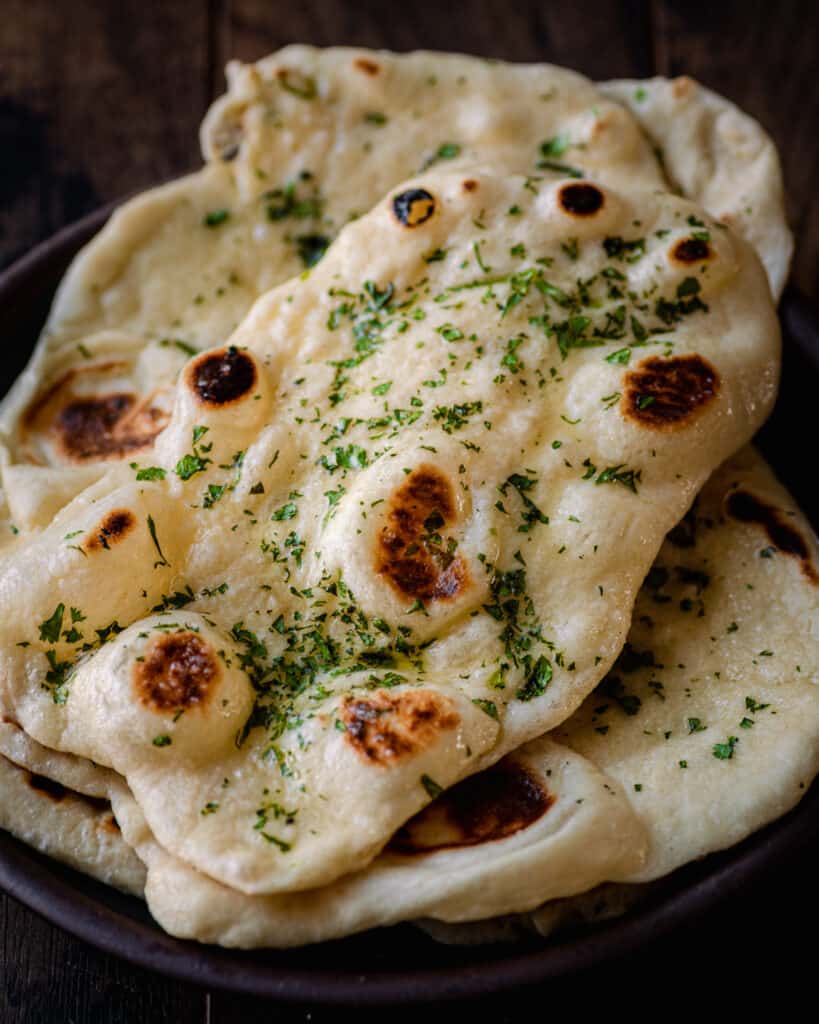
663,393
385,728
497,803
179,671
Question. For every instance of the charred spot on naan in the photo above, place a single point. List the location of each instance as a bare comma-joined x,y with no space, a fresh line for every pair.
692,250
116,524
109,426
48,787
369,67
223,377
783,535
413,207
297,83
179,671
412,554
662,393
581,199
492,805
682,87
109,824
384,728
88,427
470,185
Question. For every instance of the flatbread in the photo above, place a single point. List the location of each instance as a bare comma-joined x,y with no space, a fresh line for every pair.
316,137
489,623
710,720
177,267
76,830
718,155
476,851
542,822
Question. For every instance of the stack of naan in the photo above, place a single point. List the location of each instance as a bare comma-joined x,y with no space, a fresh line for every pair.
382,540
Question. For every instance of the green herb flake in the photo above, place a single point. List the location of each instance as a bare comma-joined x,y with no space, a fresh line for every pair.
152,530
288,511
149,472
535,685
487,706
215,218
725,751
51,628
431,786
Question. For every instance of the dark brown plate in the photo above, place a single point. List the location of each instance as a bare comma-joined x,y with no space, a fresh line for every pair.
401,965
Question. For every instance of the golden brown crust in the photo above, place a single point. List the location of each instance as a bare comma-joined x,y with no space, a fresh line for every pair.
783,535
179,671
491,805
369,67
411,552
223,377
116,524
385,728
667,393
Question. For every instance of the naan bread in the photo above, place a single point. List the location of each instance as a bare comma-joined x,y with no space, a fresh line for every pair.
710,719
367,569
716,154
78,830
177,267
542,821
303,142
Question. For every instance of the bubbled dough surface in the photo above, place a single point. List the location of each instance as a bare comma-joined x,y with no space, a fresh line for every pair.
587,835
157,274
357,804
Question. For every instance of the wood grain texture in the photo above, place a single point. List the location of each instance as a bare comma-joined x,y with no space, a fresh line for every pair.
601,39
98,99
764,58
48,976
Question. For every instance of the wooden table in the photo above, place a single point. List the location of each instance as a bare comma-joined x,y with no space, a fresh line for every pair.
100,99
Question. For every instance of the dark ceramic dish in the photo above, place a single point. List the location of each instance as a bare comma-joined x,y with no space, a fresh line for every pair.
362,970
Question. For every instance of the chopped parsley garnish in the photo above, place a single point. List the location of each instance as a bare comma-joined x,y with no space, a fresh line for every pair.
446,151
288,511
286,202
532,514
50,629
487,706
538,680
194,462
454,417
628,251
613,475
431,786
215,218
149,472
311,248
152,530
725,751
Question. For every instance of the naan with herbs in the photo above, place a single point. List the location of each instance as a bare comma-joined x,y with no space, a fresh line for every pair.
709,720
717,154
338,588
303,142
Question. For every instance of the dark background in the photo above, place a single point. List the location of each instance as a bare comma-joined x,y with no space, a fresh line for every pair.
100,99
